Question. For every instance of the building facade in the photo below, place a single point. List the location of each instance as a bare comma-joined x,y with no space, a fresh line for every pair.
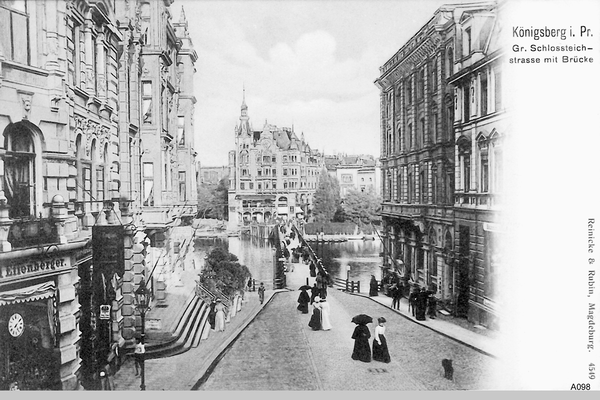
272,174
72,241
480,125
427,236
169,186
212,175
353,172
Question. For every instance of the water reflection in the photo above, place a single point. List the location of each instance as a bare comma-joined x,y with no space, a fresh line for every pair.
361,256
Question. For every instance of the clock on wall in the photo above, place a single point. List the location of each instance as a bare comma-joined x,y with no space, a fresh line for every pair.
15,325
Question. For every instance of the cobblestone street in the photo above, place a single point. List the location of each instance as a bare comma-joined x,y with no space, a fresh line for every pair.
278,351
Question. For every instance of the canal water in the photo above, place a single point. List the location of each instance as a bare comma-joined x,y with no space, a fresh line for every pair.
362,257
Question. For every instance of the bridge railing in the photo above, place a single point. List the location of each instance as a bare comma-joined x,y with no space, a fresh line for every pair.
346,285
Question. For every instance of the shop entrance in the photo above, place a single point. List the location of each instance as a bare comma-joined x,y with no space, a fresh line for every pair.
28,353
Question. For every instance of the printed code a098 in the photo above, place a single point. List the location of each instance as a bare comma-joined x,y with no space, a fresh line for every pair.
580,386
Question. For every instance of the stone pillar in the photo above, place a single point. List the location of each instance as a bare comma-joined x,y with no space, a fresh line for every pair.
59,216
67,307
5,223
128,285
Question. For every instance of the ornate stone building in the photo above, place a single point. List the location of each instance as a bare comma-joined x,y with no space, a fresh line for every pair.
480,125
169,186
272,174
71,179
425,231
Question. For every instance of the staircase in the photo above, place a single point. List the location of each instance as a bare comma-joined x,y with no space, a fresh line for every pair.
188,332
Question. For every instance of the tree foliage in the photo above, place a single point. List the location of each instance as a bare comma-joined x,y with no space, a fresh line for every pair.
362,208
223,271
213,200
327,197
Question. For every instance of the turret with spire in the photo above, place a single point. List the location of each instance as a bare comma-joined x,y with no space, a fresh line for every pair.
244,126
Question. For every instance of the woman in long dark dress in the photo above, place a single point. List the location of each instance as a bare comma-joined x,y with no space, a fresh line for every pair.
211,314
373,286
303,300
380,349
421,305
362,350
315,319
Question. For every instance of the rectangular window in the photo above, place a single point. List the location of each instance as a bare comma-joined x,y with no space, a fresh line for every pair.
87,182
285,172
147,102
182,191
274,185
484,174
148,172
498,89
242,186
484,93
181,131
251,185
100,184
467,173
14,31
148,192
466,103
274,159
467,41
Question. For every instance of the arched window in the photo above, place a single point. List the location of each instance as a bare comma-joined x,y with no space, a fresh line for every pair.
19,171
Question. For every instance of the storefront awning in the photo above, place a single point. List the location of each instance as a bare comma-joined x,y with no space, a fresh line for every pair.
30,293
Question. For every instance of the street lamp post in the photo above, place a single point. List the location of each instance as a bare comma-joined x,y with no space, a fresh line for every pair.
142,302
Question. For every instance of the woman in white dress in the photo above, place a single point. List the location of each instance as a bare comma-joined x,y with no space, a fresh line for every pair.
325,311
220,316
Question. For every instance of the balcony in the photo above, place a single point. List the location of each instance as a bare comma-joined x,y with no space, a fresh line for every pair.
476,200
417,210
32,232
20,233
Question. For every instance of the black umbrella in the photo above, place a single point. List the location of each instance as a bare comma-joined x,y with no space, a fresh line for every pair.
304,287
362,319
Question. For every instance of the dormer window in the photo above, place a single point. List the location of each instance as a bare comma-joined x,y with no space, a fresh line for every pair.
467,41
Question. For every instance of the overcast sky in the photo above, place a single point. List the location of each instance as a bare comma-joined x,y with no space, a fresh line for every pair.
310,64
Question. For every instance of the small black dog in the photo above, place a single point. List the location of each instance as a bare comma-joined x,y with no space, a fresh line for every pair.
448,369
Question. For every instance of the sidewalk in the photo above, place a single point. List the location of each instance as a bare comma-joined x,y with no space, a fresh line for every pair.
480,342
181,372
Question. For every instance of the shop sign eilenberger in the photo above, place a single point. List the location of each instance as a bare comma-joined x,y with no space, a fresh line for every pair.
31,267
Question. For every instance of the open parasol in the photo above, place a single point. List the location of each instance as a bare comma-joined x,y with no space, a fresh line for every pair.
304,287
362,319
